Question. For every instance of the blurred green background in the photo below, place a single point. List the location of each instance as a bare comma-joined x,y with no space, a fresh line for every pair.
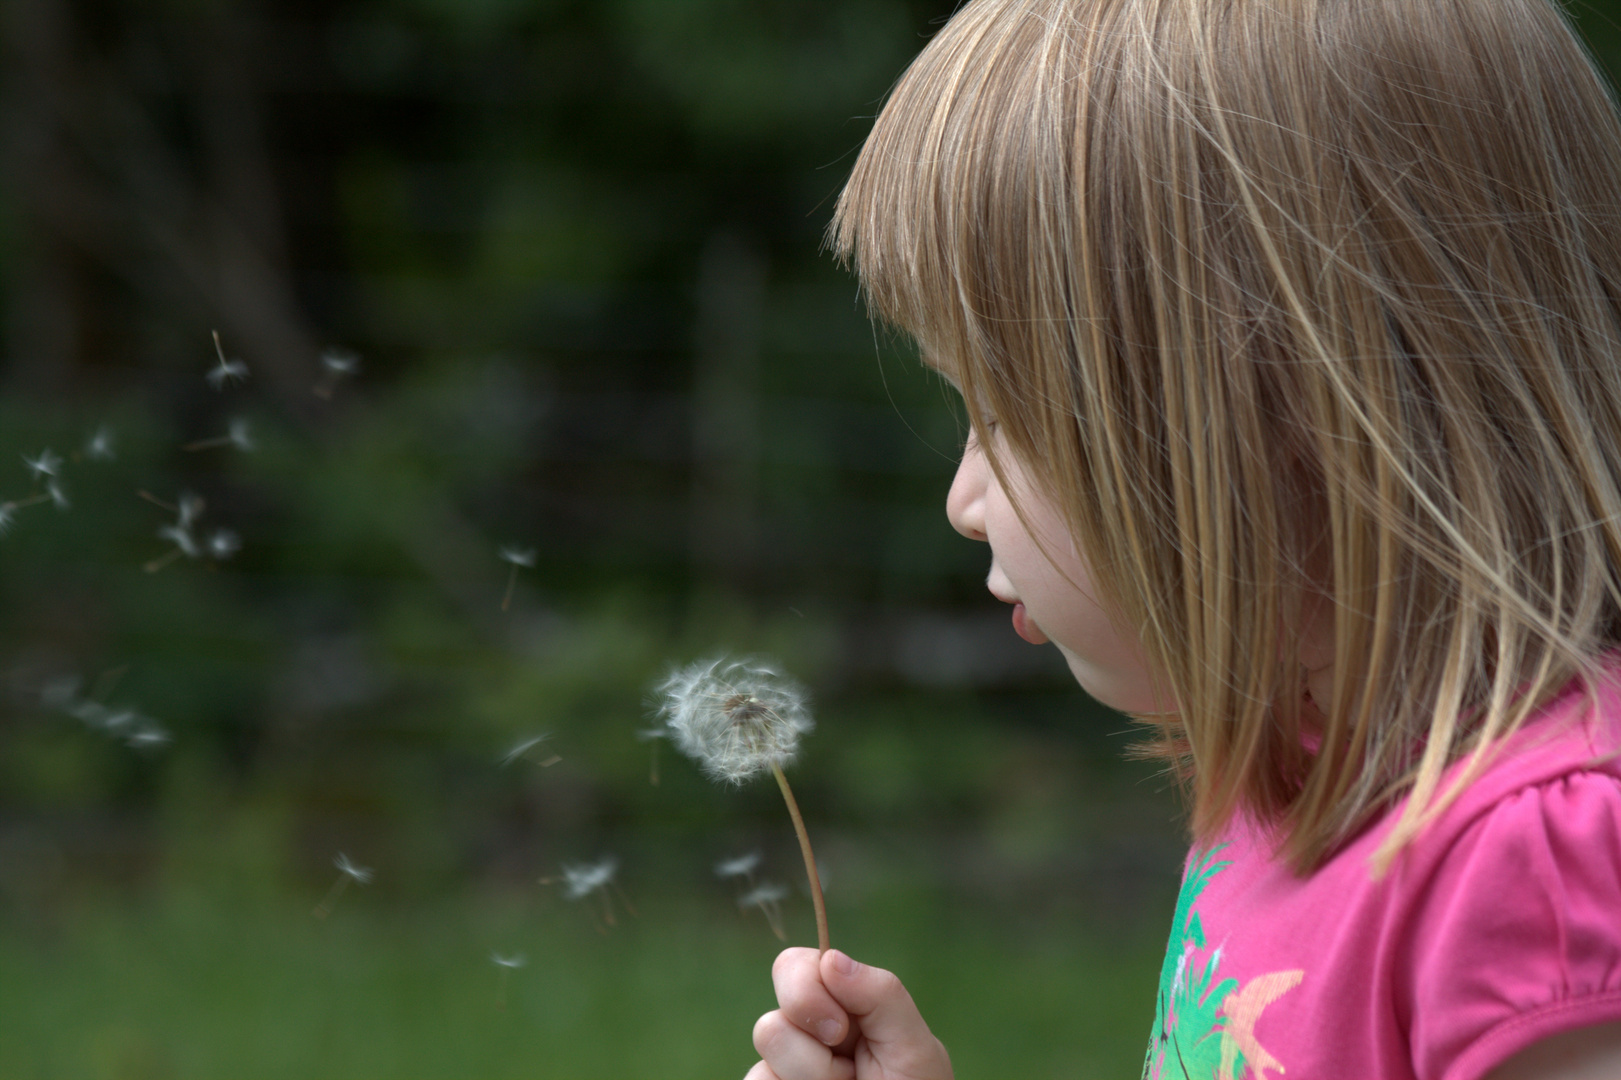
532,275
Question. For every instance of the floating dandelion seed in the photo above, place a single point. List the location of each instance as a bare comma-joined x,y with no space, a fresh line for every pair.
138,732
360,874
507,964
190,509
737,719
336,365
347,872
237,434
184,544
45,466
148,737
743,866
232,370
518,557
8,510
768,897
524,557
581,881
187,511
522,750
100,446
593,879
222,544
339,362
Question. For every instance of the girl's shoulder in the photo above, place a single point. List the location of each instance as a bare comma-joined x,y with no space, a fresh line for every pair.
1507,904
1494,929
1572,744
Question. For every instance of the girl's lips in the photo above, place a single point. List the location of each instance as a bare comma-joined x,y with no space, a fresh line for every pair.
1026,627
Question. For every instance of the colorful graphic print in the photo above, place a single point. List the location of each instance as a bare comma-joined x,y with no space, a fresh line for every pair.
1204,1029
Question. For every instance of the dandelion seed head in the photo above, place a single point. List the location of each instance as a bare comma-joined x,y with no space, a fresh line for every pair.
736,718
767,892
582,881
360,874
8,517
59,498
223,543
45,466
100,446
511,963
241,437
742,866
524,557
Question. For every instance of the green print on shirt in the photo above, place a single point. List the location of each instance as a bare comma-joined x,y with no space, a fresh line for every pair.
1204,1029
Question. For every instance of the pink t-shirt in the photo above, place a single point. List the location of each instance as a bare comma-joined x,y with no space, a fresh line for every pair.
1499,926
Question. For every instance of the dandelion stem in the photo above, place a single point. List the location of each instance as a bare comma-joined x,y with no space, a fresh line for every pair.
208,444
155,501
512,583
810,858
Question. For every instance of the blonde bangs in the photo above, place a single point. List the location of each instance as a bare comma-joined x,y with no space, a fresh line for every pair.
1280,301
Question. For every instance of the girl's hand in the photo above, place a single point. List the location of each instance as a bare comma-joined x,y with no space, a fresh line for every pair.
840,1020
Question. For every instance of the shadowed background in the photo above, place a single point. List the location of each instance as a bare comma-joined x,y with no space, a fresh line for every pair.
525,275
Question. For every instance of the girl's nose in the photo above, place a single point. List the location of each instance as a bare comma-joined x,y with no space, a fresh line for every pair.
965,503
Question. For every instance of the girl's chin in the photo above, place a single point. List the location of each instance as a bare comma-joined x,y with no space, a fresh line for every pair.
1026,627
1122,694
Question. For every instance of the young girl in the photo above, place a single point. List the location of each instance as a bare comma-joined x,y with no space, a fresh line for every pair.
1289,332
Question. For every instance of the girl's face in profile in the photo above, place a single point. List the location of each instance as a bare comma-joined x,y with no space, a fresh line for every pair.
1041,573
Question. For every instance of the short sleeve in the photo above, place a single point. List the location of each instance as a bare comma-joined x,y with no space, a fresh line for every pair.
1518,935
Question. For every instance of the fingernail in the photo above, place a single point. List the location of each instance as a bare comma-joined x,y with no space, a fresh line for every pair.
843,964
828,1032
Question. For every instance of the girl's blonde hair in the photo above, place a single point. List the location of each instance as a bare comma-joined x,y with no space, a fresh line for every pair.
1287,304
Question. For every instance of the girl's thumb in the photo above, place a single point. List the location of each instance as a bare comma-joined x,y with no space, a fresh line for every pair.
876,998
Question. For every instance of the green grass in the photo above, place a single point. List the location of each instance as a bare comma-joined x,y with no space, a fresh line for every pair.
177,984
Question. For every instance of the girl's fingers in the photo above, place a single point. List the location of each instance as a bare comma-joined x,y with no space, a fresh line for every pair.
890,1023
761,1071
797,977
790,1054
